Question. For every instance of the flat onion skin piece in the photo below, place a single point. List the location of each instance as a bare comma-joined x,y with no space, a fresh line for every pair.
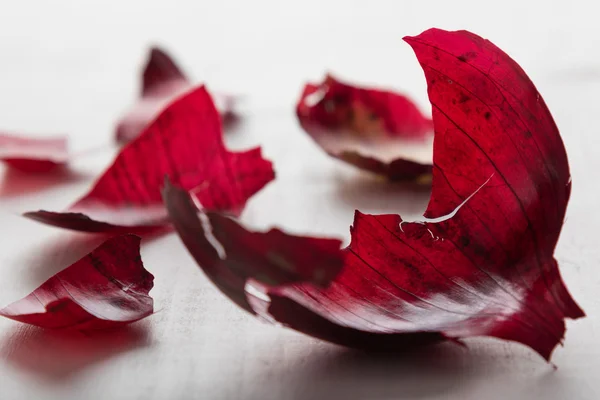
368,128
105,289
33,155
184,143
481,263
162,82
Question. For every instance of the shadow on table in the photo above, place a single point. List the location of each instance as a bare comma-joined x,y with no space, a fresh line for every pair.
59,355
66,248
15,183
61,251
372,194
347,374
233,123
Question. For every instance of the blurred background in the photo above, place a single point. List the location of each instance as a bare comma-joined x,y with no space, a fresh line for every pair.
72,66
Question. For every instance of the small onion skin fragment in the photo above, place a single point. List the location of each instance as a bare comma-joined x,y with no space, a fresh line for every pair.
162,82
375,130
32,154
105,289
184,143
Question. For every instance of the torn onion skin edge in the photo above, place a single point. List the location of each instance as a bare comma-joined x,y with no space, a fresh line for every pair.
162,82
184,143
374,130
34,155
105,289
481,261
252,268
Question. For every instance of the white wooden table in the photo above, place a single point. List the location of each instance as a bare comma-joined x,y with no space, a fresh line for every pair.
72,66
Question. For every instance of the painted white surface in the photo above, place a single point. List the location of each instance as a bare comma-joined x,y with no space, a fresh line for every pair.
71,66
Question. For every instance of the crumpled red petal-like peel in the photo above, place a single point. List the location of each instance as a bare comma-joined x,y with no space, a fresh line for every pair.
162,82
375,130
33,155
107,288
184,143
230,254
480,263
